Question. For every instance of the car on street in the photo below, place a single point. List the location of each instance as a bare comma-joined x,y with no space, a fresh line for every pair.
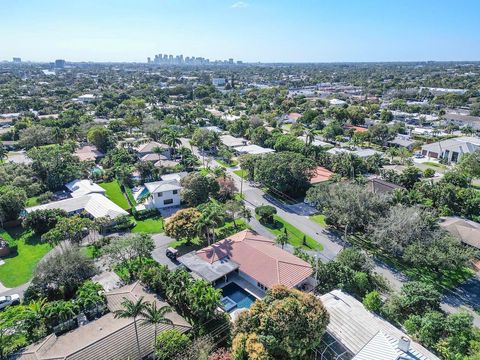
8,300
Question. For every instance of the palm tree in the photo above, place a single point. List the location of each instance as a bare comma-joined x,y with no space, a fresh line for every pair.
309,136
213,215
132,309
282,239
172,140
154,316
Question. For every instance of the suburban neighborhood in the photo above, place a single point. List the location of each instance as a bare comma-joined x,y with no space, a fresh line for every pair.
187,208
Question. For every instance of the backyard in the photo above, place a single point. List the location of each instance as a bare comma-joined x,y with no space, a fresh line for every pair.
114,193
295,236
240,172
18,268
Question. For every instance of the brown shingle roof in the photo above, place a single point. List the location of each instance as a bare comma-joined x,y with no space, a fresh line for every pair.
259,258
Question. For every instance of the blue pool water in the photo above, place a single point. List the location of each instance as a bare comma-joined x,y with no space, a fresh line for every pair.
242,299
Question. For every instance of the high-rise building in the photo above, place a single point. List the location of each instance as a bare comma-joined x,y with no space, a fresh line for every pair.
17,60
149,60
59,63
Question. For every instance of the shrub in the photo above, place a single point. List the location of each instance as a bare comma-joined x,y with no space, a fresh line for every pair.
41,221
372,301
144,214
170,343
266,212
428,173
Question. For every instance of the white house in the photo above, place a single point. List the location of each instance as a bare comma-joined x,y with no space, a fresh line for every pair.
84,187
164,193
451,149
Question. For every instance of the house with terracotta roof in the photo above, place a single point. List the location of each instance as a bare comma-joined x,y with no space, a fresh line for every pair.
88,153
106,338
291,118
251,257
320,175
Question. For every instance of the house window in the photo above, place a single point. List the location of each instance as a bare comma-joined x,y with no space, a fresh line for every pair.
160,194
175,192
167,201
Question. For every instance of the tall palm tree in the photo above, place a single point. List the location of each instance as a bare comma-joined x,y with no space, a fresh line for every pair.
309,136
132,309
154,316
213,215
172,139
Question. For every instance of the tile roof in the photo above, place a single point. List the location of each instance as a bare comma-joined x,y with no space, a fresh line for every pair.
149,147
106,338
88,152
259,258
321,174
466,230
379,186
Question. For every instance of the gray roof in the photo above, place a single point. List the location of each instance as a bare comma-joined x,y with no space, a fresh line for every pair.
466,230
208,271
354,327
231,141
106,338
460,145
401,142
160,186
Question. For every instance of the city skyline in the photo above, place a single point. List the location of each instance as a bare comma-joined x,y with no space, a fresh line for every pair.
253,31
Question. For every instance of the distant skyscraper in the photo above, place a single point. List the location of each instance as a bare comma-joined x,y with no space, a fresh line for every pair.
17,60
59,63
149,60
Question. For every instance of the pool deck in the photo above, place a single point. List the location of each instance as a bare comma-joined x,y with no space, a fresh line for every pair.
245,285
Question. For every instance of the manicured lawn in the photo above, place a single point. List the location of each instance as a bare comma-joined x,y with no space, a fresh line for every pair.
319,219
130,197
115,194
149,226
240,172
295,236
18,269
434,164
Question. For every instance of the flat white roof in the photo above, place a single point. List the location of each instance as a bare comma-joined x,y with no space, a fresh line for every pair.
253,150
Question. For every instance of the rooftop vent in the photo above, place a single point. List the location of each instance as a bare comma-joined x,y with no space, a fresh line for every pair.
404,344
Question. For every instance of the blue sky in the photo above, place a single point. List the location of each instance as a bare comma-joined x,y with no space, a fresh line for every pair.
249,30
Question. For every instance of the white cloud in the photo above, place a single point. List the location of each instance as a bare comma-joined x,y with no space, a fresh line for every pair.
239,5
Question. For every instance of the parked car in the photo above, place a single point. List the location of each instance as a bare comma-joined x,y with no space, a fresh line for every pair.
8,300
171,253
418,155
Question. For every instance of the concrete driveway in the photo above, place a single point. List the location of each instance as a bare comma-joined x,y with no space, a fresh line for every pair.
158,254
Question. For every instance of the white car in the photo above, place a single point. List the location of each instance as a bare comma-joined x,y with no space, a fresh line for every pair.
8,300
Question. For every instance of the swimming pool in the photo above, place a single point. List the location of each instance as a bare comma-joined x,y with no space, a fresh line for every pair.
232,293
